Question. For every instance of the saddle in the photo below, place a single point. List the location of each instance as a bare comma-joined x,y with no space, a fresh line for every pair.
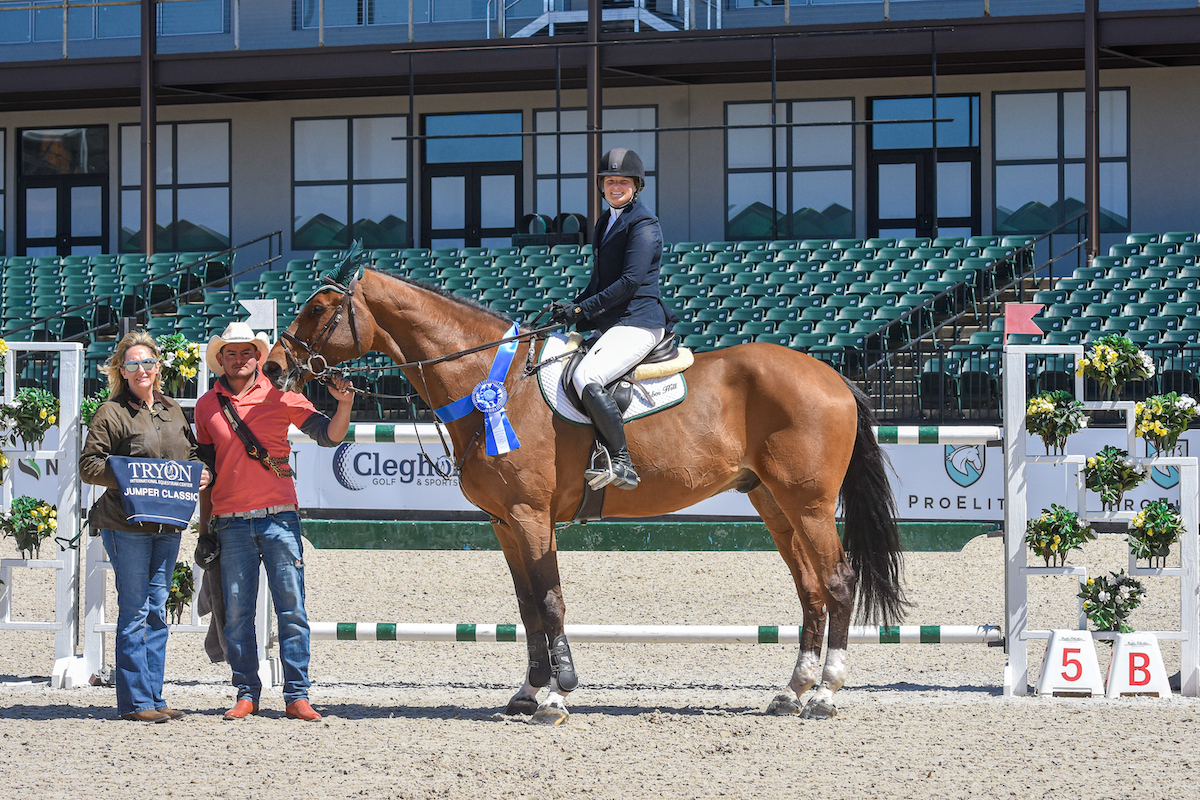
666,358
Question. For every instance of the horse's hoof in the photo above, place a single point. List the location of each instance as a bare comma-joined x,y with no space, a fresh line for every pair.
784,705
521,705
550,715
819,709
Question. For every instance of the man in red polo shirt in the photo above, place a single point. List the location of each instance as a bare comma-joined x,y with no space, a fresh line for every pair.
251,505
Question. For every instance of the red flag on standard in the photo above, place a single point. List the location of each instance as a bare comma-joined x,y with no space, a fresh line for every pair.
1018,318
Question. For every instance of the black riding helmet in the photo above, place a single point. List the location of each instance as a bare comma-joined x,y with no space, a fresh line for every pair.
621,162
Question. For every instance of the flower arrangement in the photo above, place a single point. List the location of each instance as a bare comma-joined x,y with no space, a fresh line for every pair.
1055,533
1161,419
180,361
90,405
1111,472
30,521
1108,600
31,414
1152,532
1112,362
1053,416
183,586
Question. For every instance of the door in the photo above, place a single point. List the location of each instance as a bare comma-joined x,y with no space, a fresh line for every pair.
62,192
470,205
906,194
901,200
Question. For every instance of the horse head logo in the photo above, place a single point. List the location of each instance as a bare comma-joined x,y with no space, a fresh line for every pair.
1166,477
964,463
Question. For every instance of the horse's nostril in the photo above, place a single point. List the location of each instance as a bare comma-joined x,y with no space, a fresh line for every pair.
271,369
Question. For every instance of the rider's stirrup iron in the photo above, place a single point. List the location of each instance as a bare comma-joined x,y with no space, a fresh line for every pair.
600,471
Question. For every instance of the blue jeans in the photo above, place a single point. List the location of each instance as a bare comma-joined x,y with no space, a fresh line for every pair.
143,564
275,542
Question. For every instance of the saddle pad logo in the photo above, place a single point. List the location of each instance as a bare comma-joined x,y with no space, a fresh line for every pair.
965,463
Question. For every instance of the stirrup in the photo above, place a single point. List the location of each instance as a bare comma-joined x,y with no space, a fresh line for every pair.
603,471
599,472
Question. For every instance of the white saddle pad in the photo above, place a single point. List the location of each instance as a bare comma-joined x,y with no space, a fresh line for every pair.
648,396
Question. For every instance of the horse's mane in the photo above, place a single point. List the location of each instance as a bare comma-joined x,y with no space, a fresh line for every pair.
462,301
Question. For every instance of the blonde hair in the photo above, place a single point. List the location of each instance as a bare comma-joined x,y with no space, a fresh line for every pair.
116,363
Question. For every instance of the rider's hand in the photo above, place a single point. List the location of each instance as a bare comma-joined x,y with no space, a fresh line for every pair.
564,313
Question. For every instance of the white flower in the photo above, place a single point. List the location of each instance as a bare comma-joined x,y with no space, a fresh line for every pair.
1147,364
1103,597
1083,423
1186,402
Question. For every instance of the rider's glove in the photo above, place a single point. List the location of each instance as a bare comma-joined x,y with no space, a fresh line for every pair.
564,313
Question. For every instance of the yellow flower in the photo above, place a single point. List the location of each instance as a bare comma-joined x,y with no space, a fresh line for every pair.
53,524
51,419
54,512
1090,581
42,413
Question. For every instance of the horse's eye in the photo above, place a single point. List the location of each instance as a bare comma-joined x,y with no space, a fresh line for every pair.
317,311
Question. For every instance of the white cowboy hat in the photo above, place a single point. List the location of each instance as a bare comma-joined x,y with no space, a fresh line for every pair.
236,333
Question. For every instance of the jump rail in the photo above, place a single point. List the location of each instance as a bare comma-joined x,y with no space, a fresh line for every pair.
644,634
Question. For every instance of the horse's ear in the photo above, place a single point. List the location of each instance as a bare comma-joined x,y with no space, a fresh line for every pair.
351,265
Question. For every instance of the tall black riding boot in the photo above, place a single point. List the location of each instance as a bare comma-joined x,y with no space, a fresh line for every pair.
610,429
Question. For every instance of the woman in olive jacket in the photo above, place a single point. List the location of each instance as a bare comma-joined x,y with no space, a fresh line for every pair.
139,421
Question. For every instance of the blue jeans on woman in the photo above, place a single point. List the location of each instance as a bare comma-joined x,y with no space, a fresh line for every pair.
275,542
144,564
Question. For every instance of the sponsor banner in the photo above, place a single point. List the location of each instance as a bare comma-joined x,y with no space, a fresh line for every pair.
930,482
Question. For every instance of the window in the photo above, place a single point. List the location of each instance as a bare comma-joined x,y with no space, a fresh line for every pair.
813,177
44,24
192,187
349,181
1039,141
560,162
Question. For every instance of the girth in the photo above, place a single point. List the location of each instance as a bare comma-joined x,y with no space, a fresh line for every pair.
620,389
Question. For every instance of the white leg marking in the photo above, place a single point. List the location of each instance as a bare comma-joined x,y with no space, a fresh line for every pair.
554,699
804,676
833,677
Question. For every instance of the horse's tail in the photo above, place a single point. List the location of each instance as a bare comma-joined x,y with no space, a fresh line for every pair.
871,537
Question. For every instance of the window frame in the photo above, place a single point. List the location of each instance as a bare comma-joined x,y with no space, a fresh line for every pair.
558,176
785,174
1062,161
350,181
174,186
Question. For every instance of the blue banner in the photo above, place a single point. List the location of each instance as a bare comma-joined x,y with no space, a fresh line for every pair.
157,490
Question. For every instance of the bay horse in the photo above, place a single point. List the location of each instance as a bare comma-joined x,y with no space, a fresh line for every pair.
774,423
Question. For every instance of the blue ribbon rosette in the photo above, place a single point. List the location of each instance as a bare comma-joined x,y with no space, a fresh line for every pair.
489,397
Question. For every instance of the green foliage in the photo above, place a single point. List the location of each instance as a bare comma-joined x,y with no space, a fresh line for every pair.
1055,533
89,405
1161,419
1152,532
1108,600
30,415
183,586
1053,416
30,522
180,361
1112,362
1111,472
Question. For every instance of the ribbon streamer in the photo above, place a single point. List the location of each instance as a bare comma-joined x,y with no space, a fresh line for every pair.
489,397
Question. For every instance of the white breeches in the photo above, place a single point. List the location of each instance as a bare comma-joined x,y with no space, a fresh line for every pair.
618,349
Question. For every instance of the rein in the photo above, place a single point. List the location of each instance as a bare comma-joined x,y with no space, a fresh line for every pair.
320,369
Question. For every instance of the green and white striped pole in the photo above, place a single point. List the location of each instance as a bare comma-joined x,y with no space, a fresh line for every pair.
938,434
658,634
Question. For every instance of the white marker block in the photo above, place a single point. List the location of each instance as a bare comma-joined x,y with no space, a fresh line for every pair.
1136,667
1070,667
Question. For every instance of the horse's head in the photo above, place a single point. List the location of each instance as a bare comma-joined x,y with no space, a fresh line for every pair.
329,329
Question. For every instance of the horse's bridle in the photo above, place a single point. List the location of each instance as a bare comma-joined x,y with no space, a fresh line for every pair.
315,363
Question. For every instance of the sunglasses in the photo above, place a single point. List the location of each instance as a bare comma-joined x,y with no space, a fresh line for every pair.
146,363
